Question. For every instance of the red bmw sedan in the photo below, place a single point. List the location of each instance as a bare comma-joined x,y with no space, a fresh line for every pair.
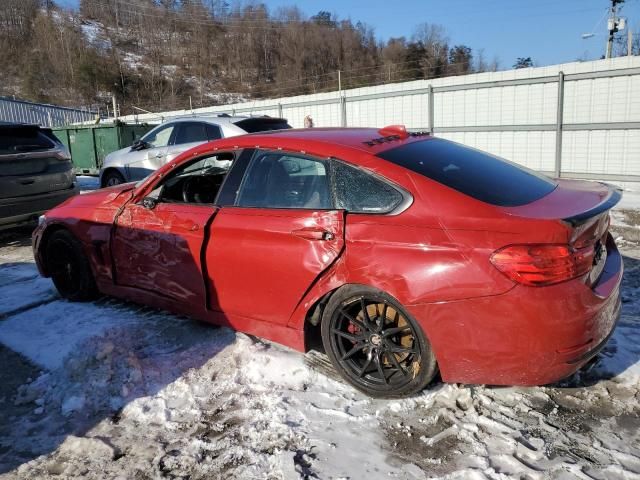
400,253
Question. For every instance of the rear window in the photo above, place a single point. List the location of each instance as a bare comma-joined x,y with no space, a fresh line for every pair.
478,174
262,124
16,139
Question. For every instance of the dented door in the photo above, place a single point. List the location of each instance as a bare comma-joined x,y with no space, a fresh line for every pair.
260,262
158,249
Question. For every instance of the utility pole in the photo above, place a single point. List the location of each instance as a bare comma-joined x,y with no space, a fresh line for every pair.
629,42
612,25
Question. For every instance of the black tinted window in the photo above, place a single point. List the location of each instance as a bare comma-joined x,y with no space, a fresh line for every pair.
191,132
262,124
20,140
213,132
480,175
361,192
278,180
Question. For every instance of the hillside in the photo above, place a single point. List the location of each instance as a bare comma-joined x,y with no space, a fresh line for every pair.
168,54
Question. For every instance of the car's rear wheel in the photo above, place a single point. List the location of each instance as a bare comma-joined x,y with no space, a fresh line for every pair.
69,267
375,344
112,178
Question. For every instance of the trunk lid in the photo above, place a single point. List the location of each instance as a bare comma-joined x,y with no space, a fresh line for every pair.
573,201
583,208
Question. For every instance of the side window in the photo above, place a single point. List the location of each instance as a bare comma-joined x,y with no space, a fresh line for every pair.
196,182
281,180
213,131
191,132
159,137
360,192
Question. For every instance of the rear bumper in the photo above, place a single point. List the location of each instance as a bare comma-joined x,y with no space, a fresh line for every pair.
527,336
18,210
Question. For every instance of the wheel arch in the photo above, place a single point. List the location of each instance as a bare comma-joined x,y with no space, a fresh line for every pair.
44,240
313,314
107,170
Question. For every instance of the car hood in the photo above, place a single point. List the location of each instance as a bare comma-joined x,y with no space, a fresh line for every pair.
103,197
116,155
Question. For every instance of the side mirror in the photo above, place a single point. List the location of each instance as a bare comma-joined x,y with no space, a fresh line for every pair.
149,203
139,145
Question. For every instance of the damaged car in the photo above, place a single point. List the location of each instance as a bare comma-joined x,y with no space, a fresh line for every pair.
400,254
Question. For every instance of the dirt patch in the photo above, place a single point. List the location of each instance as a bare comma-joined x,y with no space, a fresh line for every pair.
427,437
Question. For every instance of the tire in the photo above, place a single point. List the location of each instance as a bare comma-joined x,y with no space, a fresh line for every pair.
69,267
383,353
112,178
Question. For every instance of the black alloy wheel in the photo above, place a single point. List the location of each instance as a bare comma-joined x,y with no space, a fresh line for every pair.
69,268
375,344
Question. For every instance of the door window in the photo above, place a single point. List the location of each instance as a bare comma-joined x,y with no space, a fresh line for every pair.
160,137
281,180
196,182
191,132
213,131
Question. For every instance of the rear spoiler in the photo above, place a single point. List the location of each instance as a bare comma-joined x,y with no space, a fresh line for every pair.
615,194
262,124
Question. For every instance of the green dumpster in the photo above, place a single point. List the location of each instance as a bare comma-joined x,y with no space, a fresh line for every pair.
89,144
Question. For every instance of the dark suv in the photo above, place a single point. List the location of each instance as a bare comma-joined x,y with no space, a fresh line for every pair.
36,173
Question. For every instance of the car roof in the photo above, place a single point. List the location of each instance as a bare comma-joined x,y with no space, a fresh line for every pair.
371,140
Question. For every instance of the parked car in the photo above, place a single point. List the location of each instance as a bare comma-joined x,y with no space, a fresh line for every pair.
36,173
170,139
405,254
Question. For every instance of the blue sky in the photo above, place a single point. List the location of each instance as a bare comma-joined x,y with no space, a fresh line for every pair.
548,31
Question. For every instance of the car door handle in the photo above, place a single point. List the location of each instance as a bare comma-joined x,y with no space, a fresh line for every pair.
314,234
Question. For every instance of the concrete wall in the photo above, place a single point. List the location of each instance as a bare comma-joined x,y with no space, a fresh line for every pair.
593,133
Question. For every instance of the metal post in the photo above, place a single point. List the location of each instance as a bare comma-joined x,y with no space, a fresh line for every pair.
343,110
430,109
280,110
559,116
115,107
629,42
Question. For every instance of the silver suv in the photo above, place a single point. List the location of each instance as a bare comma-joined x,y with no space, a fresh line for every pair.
170,139
36,173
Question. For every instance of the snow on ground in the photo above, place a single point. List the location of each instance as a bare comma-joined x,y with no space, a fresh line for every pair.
114,390
87,183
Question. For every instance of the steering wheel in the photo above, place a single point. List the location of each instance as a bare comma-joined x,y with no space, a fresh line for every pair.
187,189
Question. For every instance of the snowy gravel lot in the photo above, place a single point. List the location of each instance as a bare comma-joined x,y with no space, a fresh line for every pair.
113,390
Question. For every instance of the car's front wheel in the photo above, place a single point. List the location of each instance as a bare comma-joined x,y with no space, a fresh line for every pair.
112,178
69,267
375,344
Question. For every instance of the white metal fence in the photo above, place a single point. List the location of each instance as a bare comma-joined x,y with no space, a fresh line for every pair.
578,119
19,111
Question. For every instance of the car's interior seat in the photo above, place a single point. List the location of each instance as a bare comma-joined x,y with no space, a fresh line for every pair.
277,183
319,196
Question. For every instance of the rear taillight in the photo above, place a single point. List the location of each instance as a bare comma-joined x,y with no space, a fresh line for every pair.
538,265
